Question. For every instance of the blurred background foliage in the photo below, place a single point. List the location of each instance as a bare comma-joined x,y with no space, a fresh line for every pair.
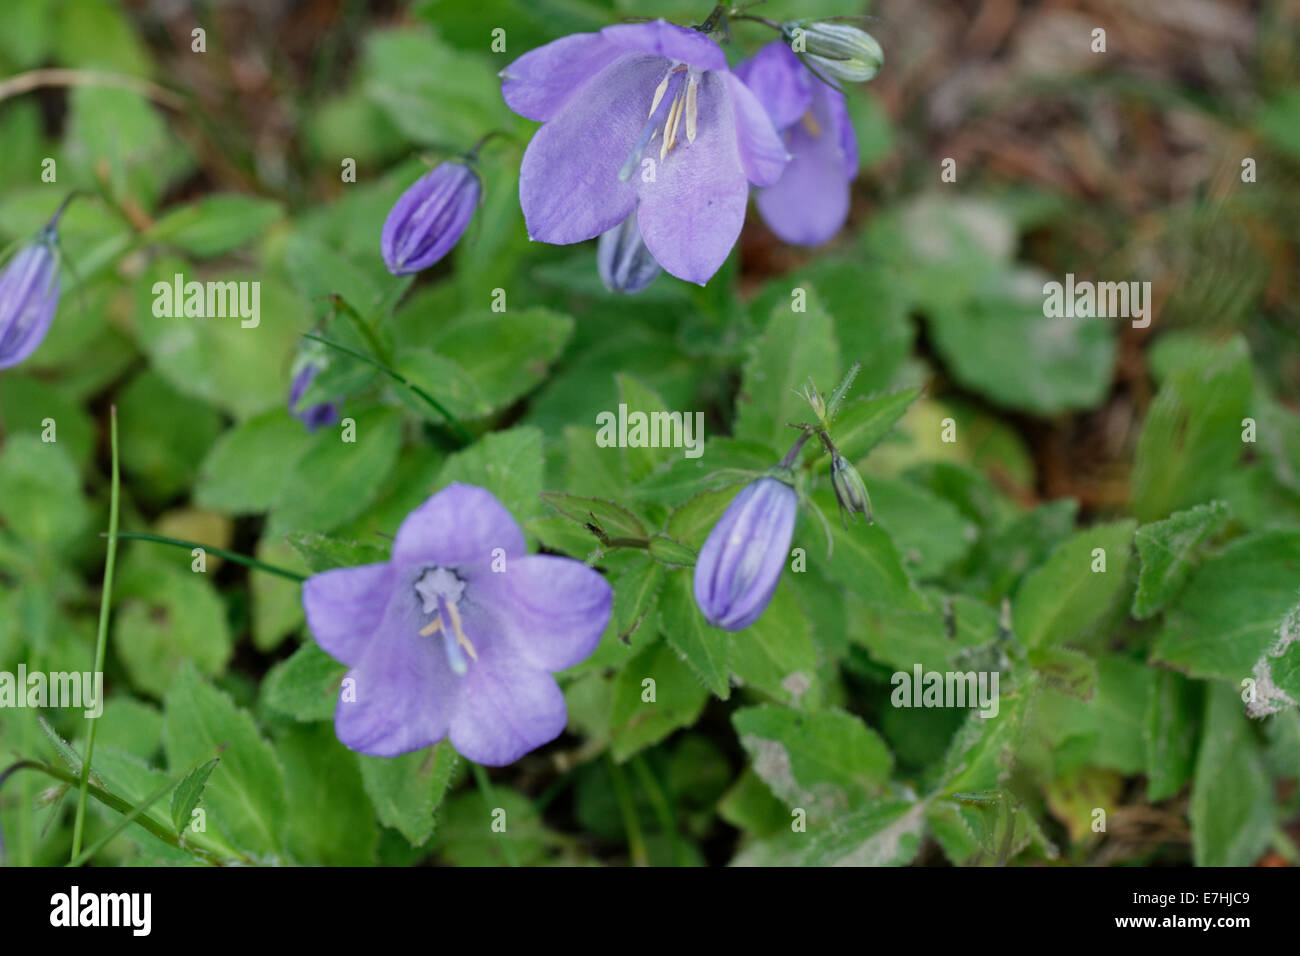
1120,691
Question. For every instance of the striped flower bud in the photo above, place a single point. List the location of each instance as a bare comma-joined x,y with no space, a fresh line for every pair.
429,218
850,489
624,263
835,50
741,562
29,296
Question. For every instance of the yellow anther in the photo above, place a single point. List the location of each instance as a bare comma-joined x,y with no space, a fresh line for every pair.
659,93
461,639
692,108
810,124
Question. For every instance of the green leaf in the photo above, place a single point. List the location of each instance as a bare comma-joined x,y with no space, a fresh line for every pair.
324,553
794,347
305,685
164,434
776,654
245,794
406,790
1065,599
1110,727
725,462
330,819
612,518
1232,796
641,459
434,94
1167,549
523,345
216,224
635,596
930,533
508,464
186,795
677,697
863,422
691,522
27,405
824,762
1228,615
886,833
1192,434
704,648
40,492
246,471
168,616
1171,733
1060,364
1065,670
334,480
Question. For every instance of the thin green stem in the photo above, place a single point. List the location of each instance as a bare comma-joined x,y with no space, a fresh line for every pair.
452,422
361,325
663,809
485,791
101,639
232,556
631,824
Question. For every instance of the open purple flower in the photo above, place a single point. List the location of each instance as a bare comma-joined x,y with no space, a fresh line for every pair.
810,202
313,416
457,634
429,218
29,296
741,562
644,117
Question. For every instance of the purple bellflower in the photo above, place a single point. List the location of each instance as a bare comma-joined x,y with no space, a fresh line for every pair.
644,117
313,416
457,634
810,202
429,218
29,295
741,562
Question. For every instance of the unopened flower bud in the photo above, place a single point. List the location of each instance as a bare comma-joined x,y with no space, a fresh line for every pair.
29,296
741,562
624,263
306,369
835,50
429,218
850,489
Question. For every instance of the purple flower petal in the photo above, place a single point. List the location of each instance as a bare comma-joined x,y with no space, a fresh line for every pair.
569,186
459,526
691,214
506,708
780,82
345,606
541,81
742,559
29,296
660,38
552,610
762,154
810,203
405,692
429,218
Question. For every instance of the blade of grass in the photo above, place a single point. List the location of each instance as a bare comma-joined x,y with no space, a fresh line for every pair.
101,639
232,556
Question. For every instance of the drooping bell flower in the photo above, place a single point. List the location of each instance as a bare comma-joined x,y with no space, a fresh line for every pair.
29,295
457,634
429,218
740,564
313,416
622,259
644,117
810,202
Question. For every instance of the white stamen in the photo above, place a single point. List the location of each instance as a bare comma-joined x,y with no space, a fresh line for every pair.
659,92
692,107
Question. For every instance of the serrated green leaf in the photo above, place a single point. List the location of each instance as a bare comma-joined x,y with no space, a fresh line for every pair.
611,518
187,793
508,464
704,648
1167,550
1232,799
406,790
678,698
323,552
305,685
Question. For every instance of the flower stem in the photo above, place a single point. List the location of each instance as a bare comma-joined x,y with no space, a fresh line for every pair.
485,790
232,556
461,432
631,825
663,809
101,639
793,453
